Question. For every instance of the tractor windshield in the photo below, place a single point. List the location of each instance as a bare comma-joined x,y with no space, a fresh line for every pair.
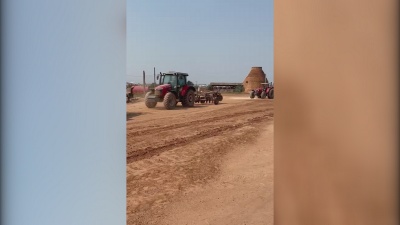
168,79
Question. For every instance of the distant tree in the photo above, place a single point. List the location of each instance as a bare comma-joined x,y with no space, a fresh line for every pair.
190,83
209,87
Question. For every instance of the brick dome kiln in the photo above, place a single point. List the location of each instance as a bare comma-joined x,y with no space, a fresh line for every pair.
254,79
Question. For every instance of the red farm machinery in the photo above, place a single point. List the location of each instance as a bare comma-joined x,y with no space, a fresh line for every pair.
267,90
172,88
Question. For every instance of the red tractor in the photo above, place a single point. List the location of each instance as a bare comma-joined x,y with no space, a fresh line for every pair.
266,91
172,88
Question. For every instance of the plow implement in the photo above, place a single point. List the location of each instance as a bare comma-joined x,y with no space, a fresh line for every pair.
208,97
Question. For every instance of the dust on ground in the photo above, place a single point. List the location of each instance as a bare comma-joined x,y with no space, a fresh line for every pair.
209,164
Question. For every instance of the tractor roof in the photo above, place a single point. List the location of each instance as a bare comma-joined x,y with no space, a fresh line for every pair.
177,73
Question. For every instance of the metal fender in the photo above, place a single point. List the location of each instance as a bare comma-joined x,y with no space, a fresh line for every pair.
185,89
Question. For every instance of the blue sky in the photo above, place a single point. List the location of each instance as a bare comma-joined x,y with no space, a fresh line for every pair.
212,40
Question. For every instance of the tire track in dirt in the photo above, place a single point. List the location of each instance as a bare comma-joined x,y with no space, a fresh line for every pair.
145,144
193,122
153,182
181,157
132,125
178,142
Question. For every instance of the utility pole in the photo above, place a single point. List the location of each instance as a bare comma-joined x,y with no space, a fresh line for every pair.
144,82
154,76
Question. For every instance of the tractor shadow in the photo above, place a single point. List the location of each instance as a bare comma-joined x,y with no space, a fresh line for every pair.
130,115
133,101
208,104
179,107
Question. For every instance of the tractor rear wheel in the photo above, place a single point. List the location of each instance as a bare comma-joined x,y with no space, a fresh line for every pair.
220,97
169,100
263,94
189,99
147,103
271,94
252,95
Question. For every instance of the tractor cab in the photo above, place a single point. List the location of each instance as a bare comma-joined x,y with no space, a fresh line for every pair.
172,79
265,85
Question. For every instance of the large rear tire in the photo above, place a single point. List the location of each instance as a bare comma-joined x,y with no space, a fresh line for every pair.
189,99
147,103
252,95
263,95
271,94
169,101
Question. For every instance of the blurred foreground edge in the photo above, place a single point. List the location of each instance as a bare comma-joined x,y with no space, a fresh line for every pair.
336,105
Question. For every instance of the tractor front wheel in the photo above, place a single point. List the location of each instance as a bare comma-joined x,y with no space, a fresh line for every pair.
271,94
147,102
169,101
189,99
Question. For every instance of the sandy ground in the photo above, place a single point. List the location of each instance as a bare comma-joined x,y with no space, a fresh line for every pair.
210,164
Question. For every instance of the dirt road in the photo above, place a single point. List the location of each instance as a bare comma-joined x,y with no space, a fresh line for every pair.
210,164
